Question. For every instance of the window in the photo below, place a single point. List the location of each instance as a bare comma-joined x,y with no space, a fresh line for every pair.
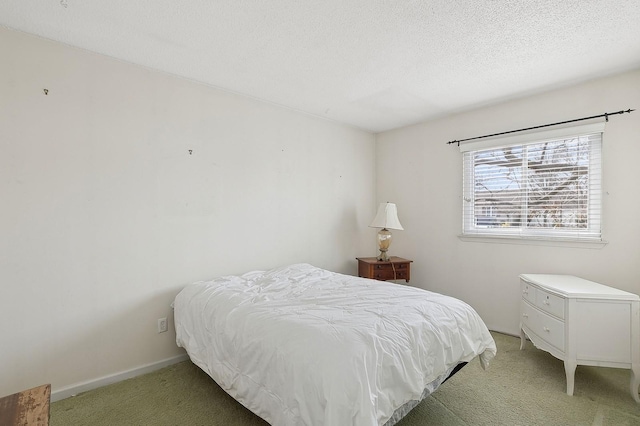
544,185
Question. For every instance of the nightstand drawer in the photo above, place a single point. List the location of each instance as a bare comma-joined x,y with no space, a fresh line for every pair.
390,274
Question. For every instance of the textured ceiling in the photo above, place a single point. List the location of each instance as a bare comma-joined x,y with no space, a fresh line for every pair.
374,64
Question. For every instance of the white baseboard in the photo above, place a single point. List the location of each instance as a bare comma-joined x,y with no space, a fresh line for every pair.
66,392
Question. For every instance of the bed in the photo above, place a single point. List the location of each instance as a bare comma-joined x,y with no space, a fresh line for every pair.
300,345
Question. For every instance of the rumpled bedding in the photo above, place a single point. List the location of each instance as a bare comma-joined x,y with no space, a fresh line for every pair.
300,345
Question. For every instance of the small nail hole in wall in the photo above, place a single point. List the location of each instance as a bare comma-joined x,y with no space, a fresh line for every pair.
46,91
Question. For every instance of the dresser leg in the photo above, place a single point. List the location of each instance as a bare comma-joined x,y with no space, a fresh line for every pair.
523,338
570,371
635,381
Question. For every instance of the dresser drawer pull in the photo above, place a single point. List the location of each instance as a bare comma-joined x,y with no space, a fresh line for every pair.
525,316
525,292
546,329
546,302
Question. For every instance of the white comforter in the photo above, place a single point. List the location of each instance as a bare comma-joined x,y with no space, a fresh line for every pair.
299,345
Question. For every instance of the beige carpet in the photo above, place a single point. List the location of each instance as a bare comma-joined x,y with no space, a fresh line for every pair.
520,388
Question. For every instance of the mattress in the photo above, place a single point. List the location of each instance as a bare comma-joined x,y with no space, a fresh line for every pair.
300,345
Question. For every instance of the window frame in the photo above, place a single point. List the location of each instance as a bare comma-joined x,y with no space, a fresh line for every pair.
526,235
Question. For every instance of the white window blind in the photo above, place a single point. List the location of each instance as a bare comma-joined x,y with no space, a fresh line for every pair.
545,185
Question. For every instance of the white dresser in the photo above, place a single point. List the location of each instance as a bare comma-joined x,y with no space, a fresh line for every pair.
582,323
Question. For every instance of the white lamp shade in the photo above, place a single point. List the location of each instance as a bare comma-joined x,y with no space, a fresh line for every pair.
387,217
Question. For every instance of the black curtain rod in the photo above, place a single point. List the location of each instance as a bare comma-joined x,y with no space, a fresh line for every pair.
606,115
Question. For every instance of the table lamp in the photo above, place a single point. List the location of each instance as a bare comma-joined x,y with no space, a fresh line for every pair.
386,218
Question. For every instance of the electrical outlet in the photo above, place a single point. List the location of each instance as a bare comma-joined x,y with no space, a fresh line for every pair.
162,325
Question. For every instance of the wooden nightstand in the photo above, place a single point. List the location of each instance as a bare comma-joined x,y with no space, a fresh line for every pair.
396,268
29,407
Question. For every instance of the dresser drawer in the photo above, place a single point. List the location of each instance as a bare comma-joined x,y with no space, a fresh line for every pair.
528,291
549,302
551,330
528,314
548,328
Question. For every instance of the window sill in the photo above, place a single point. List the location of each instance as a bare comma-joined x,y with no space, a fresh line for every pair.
534,241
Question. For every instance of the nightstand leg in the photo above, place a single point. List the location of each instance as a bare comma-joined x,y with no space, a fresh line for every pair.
635,381
570,371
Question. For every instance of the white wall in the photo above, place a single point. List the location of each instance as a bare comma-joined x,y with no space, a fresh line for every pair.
105,214
423,175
